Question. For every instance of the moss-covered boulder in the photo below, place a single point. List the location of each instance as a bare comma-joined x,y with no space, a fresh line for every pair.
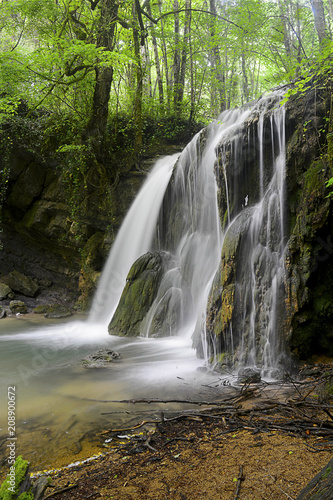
5,291
22,284
140,291
18,307
53,311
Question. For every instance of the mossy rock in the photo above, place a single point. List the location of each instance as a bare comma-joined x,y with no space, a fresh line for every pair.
53,311
17,484
140,291
18,306
5,291
21,283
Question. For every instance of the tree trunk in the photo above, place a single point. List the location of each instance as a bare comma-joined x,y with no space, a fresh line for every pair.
157,66
179,91
96,125
218,72
319,17
176,58
139,85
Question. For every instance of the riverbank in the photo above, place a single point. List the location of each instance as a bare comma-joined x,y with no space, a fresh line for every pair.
250,447
195,459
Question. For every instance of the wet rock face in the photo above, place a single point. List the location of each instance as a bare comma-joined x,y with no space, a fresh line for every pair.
304,317
139,293
39,236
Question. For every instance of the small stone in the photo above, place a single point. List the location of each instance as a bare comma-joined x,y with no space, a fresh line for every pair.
100,359
3,313
249,376
17,306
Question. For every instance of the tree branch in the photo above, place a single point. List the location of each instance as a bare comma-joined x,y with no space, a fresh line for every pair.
155,21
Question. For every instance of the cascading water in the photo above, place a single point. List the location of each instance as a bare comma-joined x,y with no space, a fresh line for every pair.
253,163
134,239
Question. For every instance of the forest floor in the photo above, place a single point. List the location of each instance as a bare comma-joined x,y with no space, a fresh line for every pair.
249,448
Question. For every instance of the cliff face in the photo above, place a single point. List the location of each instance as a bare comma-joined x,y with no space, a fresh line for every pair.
41,238
295,271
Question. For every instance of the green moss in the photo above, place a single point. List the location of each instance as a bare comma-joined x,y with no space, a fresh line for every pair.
21,468
328,470
26,496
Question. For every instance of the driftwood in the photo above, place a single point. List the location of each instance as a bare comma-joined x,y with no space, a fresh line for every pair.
300,413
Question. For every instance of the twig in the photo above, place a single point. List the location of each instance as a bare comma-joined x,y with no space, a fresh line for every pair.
163,401
291,498
240,479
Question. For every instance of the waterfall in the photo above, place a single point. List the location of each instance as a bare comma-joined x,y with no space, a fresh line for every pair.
134,239
180,212
253,277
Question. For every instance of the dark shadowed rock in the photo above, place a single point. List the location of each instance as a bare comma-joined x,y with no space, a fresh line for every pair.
5,291
22,283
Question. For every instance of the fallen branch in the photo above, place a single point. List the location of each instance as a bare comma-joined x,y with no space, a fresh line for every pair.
162,401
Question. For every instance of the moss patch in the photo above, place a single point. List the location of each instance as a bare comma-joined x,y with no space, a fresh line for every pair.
7,490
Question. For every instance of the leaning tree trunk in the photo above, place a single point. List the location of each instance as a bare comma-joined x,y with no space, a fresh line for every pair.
97,122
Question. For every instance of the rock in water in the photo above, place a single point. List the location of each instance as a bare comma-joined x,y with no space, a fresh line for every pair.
139,293
249,376
100,359
53,311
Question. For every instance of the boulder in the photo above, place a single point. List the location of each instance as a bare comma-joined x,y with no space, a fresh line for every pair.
3,312
18,306
140,291
53,311
249,376
22,284
5,292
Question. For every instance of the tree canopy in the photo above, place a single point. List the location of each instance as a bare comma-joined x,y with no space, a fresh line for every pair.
96,59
